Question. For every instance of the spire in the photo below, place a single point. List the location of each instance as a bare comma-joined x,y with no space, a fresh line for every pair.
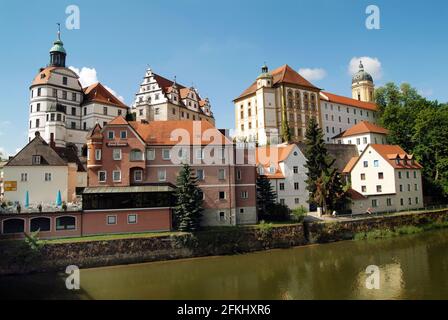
174,82
264,68
57,52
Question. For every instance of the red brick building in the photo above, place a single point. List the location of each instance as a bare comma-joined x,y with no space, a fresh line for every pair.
131,156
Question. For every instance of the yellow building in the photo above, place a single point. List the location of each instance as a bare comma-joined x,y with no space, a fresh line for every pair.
362,85
276,96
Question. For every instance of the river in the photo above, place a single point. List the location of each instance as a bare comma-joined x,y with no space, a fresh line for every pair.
410,267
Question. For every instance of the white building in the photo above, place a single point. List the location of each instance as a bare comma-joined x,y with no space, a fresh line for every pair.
340,113
160,99
42,170
284,166
388,179
362,134
61,109
275,97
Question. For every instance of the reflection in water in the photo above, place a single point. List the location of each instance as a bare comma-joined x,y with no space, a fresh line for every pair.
411,267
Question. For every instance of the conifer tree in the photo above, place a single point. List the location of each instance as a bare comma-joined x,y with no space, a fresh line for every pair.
317,159
265,194
188,210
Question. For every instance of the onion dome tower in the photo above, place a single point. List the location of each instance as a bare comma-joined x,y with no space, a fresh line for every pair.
57,52
362,85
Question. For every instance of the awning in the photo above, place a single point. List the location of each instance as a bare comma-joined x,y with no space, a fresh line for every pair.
132,189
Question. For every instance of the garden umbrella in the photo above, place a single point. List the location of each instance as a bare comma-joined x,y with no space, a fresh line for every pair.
59,199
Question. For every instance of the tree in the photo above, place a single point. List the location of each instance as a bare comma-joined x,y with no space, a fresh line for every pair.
285,130
418,125
317,158
331,194
266,195
188,210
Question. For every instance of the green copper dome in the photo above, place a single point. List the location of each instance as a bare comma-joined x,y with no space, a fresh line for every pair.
361,75
58,46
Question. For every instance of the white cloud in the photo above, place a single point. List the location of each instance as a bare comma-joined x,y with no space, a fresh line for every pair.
371,65
313,74
88,76
114,93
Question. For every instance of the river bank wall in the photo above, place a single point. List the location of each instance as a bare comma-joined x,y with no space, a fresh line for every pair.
17,258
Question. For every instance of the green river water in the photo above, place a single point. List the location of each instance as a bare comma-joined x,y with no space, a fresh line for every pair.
411,267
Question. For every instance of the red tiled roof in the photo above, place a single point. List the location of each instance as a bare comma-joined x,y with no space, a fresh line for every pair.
350,164
390,153
273,155
283,74
98,93
355,195
393,152
119,121
168,132
363,127
348,101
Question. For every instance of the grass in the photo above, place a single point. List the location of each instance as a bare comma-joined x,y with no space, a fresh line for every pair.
404,230
111,237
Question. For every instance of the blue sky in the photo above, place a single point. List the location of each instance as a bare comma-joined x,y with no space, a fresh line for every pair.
219,46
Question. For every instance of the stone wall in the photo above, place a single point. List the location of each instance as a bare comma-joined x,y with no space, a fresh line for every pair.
346,230
222,241
14,257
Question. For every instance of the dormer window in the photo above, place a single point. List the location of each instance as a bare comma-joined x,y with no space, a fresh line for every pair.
36,160
397,161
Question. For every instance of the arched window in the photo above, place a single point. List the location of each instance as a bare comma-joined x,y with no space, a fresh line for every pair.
42,224
65,223
297,100
305,101
289,98
13,226
136,155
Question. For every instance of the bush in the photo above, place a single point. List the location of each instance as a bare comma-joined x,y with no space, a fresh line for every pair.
276,212
299,214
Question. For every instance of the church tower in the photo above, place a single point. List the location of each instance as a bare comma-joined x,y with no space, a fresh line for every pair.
362,85
57,52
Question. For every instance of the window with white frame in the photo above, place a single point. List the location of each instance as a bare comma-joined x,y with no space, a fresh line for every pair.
36,159
138,175
244,195
238,175
97,154
150,154
102,176
221,174
47,176
166,154
116,154
282,186
161,175
295,169
200,174
136,155
111,220
110,135
123,134
116,175
222,195
132,218
24,177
